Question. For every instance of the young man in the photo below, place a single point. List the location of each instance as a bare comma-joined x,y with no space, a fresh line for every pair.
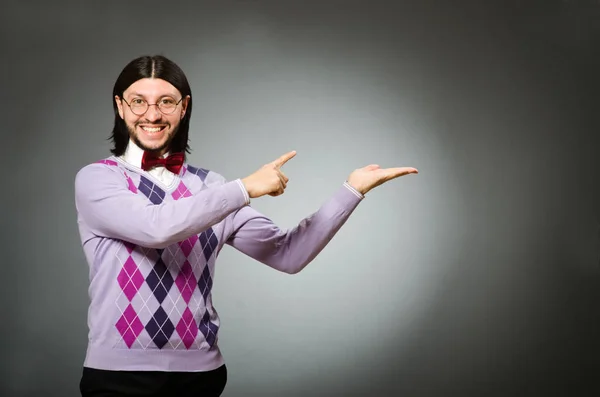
151,226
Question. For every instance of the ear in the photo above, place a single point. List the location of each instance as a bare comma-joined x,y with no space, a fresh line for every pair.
184,105
119,106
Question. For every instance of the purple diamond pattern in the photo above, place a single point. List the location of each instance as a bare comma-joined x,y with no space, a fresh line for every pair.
160,328
155,194
159,279
208,242
209,329
130,279
186,328
129,326
205,283
181,191
200,172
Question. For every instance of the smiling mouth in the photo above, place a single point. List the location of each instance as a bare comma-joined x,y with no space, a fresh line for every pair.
152,130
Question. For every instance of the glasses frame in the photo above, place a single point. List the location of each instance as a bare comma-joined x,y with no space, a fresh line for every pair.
152,104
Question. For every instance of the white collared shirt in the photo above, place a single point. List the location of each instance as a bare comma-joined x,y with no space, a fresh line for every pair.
133,155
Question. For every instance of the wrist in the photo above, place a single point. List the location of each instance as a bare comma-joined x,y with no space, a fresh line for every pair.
355,189
245,184
244,191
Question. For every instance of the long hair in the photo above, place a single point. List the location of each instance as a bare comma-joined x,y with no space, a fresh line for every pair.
156,66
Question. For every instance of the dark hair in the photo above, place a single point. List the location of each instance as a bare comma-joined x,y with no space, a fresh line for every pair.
156,66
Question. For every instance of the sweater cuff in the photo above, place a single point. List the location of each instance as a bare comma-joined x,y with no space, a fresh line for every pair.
244,191
353,190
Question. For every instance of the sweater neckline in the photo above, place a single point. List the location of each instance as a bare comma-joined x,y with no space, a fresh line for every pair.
170,188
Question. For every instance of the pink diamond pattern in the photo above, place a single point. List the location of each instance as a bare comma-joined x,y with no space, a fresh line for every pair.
129,326
129,246
181,191
187,328
130,278
186,282
188,244
108,162
130,184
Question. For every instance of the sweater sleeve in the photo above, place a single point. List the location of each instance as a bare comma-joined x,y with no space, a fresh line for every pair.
107,208
290,251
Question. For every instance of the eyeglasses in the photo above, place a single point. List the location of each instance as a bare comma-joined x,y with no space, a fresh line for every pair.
139,106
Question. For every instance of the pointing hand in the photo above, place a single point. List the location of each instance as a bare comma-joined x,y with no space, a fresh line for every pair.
269,179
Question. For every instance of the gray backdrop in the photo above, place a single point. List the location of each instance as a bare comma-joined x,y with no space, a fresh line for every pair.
478,277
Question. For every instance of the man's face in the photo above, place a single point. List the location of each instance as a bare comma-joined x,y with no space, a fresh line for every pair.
152,130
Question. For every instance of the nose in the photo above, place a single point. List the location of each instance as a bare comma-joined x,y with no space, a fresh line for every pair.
153,113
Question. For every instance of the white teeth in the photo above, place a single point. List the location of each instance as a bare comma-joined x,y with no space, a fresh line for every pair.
155,129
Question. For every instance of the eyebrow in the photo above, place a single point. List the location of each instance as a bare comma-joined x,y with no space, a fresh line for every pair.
142,95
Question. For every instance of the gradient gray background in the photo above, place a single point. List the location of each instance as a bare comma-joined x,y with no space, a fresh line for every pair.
478,277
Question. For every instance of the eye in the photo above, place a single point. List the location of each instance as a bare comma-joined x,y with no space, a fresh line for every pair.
137,101
168,101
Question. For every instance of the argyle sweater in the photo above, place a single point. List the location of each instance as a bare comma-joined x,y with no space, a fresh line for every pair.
151,251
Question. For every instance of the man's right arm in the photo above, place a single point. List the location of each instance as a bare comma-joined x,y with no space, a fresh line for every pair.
109,209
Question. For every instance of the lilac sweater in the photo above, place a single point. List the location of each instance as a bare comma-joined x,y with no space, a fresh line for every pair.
151,251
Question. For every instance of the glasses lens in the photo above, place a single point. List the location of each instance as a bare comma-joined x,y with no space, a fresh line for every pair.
167,106
139,106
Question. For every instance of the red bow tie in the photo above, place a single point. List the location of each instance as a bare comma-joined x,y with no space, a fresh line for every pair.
173,162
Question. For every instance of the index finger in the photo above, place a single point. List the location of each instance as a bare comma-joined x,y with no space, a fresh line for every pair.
283,159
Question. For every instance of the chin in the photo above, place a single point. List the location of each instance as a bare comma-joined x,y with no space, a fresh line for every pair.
154,145
151,146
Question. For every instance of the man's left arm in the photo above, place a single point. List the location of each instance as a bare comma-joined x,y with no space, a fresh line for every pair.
291,250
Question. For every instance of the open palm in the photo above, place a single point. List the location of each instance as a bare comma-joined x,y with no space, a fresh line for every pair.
366,178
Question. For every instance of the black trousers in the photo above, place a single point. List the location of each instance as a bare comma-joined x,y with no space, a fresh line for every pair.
103,383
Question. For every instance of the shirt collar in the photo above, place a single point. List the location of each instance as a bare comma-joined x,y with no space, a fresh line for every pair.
133,154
